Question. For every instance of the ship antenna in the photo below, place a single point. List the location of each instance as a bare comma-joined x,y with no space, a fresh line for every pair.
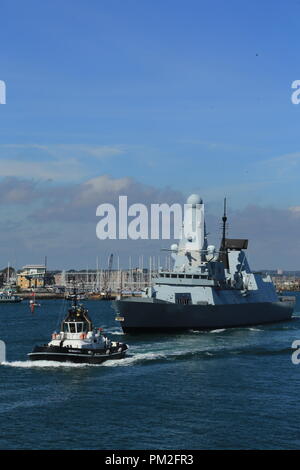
224,219
223,250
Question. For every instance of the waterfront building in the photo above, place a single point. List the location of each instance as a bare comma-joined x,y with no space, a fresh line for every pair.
32,276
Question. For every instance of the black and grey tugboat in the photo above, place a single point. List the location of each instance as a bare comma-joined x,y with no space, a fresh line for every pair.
78,341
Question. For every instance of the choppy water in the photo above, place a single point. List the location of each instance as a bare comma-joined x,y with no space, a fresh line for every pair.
228,388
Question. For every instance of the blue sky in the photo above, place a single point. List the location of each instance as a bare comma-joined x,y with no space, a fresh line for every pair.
194,96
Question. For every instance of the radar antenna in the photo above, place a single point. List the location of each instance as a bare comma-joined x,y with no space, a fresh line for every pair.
224,219
223,249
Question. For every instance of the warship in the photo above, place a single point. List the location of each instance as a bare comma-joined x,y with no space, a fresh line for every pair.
207,288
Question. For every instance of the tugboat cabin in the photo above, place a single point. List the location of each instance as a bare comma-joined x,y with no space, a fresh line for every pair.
77,321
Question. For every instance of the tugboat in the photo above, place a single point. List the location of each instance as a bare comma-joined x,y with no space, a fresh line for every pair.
78,341
207,288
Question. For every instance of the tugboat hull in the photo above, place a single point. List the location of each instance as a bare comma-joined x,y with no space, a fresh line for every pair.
88,356
143,315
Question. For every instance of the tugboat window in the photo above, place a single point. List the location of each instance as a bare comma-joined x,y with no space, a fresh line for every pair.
79,327
72,328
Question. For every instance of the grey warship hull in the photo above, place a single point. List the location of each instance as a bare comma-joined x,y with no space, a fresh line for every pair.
147,315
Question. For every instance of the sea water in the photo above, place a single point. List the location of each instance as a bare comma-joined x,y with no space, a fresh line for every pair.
223,389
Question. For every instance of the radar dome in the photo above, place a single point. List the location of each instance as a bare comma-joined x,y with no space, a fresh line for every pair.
174,247
194,199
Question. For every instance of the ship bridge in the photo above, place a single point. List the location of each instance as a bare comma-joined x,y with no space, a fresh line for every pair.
186,279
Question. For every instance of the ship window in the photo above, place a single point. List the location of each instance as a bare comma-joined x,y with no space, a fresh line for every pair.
183,299
174,275
167,275
79,327
196,276
189,276
162,275
181,276
72,328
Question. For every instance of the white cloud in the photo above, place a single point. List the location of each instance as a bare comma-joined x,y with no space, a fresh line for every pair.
68,170
282,167
295,210
60,162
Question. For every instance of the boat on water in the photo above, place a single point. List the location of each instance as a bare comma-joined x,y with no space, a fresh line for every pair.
9,297
78,341
80,296
107,295
207,288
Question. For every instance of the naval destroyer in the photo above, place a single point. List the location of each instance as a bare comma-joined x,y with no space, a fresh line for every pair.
207,288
